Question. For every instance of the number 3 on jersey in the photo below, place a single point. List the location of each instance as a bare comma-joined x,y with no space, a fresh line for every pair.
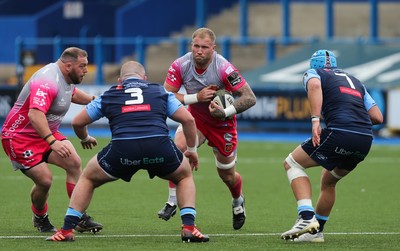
136,94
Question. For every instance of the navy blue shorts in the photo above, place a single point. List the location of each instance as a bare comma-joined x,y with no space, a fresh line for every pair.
123,158
339,149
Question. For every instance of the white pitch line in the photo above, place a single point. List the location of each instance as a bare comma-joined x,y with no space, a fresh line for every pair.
172,235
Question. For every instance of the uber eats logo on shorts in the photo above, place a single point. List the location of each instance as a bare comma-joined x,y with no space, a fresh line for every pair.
144,161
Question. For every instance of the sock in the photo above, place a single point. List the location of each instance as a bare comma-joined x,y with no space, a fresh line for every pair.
237,202
188,214
41,212
70,188
236,190
321,220
172,193
70,222
306,215
305,209
71,219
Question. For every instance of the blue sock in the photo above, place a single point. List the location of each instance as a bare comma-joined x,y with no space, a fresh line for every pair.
188,214
71,219
306,212
321,220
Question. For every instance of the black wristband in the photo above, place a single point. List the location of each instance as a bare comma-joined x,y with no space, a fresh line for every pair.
52,142
47,136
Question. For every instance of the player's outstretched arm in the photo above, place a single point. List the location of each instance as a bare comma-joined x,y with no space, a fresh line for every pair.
80,124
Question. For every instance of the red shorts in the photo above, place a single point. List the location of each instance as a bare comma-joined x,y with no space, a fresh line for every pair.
222,136
27,151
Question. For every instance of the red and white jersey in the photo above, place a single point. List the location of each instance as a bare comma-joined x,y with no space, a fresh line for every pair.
46,91
220,73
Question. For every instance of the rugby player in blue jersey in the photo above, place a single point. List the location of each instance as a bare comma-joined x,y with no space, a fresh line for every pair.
137,111
349,112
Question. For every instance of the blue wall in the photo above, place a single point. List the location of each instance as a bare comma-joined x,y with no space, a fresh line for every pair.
148,18
12,27
98,20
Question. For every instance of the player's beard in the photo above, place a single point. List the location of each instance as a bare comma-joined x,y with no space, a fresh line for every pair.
75,78
201,62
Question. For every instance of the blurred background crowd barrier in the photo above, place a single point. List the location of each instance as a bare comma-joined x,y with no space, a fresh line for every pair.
269,41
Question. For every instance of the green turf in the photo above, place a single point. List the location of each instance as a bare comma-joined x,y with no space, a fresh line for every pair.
365,215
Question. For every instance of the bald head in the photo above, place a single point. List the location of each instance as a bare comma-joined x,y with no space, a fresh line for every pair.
132,69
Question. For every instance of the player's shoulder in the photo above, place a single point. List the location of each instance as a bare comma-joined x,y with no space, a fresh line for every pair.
183,59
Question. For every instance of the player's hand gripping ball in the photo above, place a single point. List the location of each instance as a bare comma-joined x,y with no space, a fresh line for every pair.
223,98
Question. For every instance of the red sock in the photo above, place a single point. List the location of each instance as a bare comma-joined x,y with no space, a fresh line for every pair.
65,232
190,228
236,190
171,185
40,212
70,188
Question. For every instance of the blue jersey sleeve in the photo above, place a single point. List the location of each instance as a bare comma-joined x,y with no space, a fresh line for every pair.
311,73
94,109
369,102
173,104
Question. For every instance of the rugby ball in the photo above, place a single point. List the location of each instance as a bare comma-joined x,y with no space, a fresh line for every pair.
223,98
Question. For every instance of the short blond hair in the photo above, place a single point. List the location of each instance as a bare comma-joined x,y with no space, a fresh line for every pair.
203,32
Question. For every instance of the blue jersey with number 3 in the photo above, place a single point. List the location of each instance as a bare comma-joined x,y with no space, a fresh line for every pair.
135,109
345,100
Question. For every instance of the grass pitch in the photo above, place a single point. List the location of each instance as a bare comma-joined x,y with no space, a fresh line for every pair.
365,215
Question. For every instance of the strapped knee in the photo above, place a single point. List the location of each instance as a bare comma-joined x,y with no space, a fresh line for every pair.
225,166
334,174
295,170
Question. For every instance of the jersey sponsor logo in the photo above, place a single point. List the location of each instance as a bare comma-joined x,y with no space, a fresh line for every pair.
305,76
345,152
228,137
27,154
228,147
128,162
229,70
16,123
144,161
39,98
38,101
171,70
171,74
171,77
234,78
62,102
40,93
45,86
54,117
350,91
321,156
136,108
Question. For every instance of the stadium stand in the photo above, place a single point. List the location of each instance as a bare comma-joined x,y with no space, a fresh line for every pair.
253,56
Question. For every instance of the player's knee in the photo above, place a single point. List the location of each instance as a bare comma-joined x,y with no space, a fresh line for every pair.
293,169
74,163
44,183
225,166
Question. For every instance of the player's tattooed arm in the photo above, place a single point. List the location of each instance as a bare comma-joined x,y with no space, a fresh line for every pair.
244,98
